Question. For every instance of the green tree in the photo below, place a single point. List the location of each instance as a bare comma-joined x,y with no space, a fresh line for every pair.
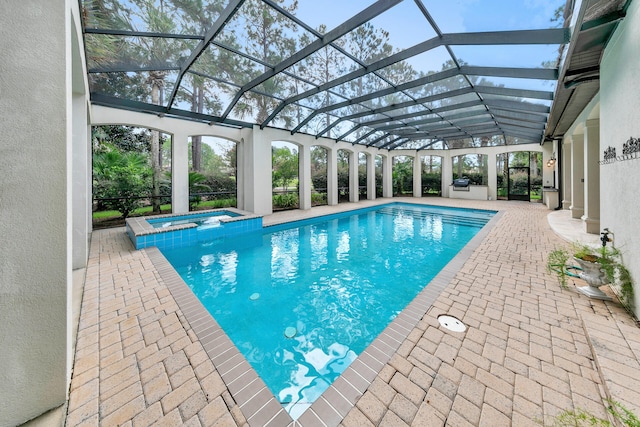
402,175
155,53
319,169
318,160
195,17
319,68
197,184
107,51
269,38
212,163
125,138
343,172
231,159
285,166
120,179
369,44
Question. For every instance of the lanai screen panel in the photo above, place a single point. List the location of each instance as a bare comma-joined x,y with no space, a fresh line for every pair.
387,73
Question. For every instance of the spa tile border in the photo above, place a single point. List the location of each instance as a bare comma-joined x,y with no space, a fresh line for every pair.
256,401
141,227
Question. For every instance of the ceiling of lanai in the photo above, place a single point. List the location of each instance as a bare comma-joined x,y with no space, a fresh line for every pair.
388,74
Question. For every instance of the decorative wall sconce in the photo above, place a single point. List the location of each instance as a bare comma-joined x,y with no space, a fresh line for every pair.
552,160
609,156
630,150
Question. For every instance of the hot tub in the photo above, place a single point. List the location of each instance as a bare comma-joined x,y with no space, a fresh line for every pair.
178,230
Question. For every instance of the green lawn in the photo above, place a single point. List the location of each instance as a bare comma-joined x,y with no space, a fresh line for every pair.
209,204
138,212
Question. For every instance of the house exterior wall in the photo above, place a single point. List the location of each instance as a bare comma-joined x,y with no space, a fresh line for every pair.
35,206
619,120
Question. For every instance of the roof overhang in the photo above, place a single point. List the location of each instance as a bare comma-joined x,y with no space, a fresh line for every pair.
593,24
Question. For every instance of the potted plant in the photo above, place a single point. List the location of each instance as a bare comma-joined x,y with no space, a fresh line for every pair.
597,268
595,265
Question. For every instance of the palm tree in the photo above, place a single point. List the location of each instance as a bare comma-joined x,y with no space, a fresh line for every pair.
120,179
196,185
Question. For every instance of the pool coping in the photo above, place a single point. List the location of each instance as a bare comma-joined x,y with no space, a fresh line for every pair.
139,225
258,404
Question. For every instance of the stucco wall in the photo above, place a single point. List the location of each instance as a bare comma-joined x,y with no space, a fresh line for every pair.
619,120
34,256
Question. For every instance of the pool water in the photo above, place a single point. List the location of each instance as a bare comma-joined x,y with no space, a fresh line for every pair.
208,220
301,301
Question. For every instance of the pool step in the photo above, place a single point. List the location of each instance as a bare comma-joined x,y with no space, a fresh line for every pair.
475,219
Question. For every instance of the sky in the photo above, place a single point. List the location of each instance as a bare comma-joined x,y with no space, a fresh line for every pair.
451,15
407,26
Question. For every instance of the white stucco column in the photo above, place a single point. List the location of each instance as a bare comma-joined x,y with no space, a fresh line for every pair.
548,172
417,176
371,176
577,176
240,175
447,173
256,170
492,178
81,173
566,172
387,177
304,176
332,176
591,216
179,173
353,177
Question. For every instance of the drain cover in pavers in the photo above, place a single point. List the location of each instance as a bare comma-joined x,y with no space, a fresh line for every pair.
451,323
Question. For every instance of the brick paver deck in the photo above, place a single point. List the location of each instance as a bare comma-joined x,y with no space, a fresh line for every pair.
531,350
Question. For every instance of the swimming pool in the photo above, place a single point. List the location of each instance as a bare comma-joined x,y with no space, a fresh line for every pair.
297,299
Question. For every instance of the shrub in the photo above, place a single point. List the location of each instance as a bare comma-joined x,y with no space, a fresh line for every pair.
220,183
319,181
219,203
285,201
120,179
431,183
196,186
318,199
343,179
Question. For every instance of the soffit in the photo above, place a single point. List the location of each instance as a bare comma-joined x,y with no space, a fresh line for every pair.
595,22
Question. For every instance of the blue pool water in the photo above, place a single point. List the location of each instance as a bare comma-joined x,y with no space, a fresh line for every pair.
204,220
302,300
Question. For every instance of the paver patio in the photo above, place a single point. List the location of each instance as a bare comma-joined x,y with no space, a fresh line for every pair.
531,350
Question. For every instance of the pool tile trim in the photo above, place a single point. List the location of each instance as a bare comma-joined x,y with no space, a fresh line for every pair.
142,233
258,404
141,227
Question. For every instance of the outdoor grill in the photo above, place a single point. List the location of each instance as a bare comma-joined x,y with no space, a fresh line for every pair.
461,183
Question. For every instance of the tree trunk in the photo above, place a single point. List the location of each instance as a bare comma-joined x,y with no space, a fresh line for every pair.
505,172
533,164
157,81
155,167
196,153
197,103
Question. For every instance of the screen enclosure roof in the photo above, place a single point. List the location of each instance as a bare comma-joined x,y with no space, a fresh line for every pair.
390,74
